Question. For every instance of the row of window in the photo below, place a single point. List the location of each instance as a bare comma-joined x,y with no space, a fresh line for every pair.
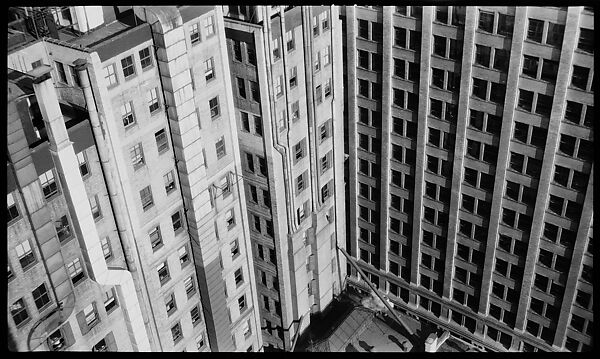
502,23
156,237
495,58
257,227
455,13
196,34
574,111
128,67
323,19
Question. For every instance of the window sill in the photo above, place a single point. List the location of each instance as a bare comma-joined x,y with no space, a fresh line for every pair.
23,323
148,207
178,230
158,110
14,220
136,167
164,281
157,247
130,77
148,67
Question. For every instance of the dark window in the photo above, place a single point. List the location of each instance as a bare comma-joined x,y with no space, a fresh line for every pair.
128,66
573,112
525,100
486,21
400,37
549,70
580,77
555,34
586,40
363,29
479,88
501,60
482,55
530,65
567,144
505,24
439,45
535,30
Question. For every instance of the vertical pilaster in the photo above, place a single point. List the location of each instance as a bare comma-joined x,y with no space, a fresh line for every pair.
556,116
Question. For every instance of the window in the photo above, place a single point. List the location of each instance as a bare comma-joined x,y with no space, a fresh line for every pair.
170,304
479,88
18,312
128,66
276,52
177,222
163,272
220,147
190,287
184,257
327,56
195,315
230,218
293,77
486,22
363,29
200,341
83,166
239,277
146,198
251,55
544,105
127,114
209,26
501,60
482,55
555,34
145,58
262,166
95,207
155,238
241,84
194,34
110,75
525,100
169,181
62,75
40,296
176,329
549,70
106,249
137,156
586,40
505,24
535,30
299,150
295,112
290,41
327,89
215,111
579,78
258,127
161,141
254,91
242,303
237,50
235,248
49,186
109,300
75,271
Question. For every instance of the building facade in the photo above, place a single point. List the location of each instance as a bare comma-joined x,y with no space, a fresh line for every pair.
470,136
286,69
167,154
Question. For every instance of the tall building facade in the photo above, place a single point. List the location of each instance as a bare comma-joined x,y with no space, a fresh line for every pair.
470,136
173,243
286,69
